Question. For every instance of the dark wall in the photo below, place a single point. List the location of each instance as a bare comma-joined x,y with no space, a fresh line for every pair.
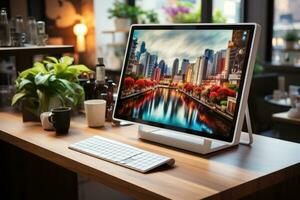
261,12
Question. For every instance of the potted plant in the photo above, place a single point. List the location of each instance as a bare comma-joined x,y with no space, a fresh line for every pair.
183,12
290,38
147,17
48,84
124,14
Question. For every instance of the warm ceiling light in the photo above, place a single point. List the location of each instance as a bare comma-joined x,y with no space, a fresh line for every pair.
80,30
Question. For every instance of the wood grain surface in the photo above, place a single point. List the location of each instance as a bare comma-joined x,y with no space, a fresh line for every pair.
232,173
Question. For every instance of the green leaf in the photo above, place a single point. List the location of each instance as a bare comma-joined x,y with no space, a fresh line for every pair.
80,68
17,97
23,83
53,59
59,69
42,79
27,72
40,67
79,90
67,85
67,60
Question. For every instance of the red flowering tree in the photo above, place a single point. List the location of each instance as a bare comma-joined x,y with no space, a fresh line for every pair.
214,88
128,82
188,87
140,84
148,83
198,90
224,92
213,97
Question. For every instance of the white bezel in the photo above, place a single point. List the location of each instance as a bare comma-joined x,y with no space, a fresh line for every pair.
246,85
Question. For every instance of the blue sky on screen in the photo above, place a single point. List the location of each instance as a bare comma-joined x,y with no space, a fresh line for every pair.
190,44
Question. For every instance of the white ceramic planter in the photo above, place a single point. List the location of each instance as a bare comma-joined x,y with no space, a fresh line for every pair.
122,23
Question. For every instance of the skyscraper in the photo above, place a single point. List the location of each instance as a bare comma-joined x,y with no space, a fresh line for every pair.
161,65
184,64
141,51
156,74
202,70
152,65
143,47
209,58
231,53
175,67
144,61
221,61
132,58
189,73
196,69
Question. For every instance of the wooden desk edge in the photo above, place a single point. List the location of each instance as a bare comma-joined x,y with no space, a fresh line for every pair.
137,191
68,163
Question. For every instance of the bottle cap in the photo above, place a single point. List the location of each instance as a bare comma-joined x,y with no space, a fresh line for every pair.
100,61
92,75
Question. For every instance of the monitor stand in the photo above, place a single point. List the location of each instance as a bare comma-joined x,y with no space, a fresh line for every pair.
193,143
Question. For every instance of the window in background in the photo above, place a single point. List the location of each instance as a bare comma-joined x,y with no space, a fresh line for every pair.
173,11
226,11
286,28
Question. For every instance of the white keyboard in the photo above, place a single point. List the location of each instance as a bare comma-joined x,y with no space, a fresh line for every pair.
121,154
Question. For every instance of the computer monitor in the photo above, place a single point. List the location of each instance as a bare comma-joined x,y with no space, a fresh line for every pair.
192,78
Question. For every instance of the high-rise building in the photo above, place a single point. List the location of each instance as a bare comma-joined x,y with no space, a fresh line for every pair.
152,65
141,51
189,73
231,53
221,61
239,39
196,68
144,61
184,64
175,67
132,58
156,76
143,47
209,59
202,70
162,65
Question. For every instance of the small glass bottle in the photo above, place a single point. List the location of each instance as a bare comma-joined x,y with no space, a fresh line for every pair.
4,29
110,100
100,86
31,31
19,24
89,87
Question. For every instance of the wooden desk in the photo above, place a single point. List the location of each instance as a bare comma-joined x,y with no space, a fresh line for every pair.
287,128
24,55
234,173
283,117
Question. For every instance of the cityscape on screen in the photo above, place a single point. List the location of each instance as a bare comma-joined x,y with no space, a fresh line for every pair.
184,78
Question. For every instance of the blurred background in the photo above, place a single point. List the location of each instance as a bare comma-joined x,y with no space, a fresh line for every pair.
99,28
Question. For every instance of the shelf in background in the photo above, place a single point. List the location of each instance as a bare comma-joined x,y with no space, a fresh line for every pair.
115,31
287,50
116,44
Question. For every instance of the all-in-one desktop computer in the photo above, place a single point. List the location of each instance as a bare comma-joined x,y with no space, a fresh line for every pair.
187,86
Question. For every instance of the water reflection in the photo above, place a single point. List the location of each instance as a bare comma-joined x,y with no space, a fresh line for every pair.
171,107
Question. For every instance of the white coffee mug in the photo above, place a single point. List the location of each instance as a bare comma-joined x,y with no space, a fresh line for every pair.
95,112
46,124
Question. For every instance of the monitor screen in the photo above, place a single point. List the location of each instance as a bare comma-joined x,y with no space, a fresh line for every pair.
185,78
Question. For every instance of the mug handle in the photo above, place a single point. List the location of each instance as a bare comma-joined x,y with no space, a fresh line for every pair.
50,118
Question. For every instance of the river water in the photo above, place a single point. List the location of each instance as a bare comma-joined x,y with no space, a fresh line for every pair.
171,107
